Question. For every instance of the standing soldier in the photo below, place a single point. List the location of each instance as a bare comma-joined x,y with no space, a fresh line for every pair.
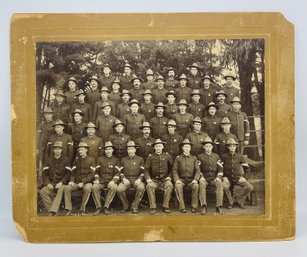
157,173
234,165
56,174
197,137
212,121
105,122
148,107
123,108
115,93
207,91
61,136
211,175
82,174
127,76
106,78
183,119
131,177
240,123
183,91
137,91
194,78
229,88
150,83
171,83
70,94
119,139
171,107
145,142
172,139
196,108
106,177
133,120
93,94
104,93
159,121
85,107
159,92
186,172
61,110
93,142
223,107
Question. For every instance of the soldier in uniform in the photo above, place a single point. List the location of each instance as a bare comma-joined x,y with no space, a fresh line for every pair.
150,83
137,91
127,76
186,172
157,173
234,165
194,78
107,77
115,95
56,172
171,83
183,119
160,91
145,142
61,136
183,91
93,93
171,107
147,107
104,93
229,88
159,122
119,139
105,122
61,110
240,123
211,168
207,91
106,177
123,108
172,139
132,176
85,107
93,142
70,94
133,120
82,174
212,121
197,137
196,108
223,107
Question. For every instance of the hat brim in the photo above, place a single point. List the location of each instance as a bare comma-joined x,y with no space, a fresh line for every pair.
87,147
115,125
129,104
182,144
121,94
239,101
207,142
193,66
108,91
98,81
159,143
60,95
147,93
62,124
216,107
135,146
232,144
102,107
216,95
207,78
61,147
157,106
145,127
167,94
90,127
182,104
132,80
81,113
160,79
80,94
195,94
104,147
229,76
171,125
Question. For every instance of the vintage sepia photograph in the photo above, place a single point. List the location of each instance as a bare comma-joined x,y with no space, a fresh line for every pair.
156,127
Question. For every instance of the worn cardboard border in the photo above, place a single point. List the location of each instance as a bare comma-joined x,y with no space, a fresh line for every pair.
277,223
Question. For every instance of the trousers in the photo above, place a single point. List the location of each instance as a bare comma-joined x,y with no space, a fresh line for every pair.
203,183
96,193
87,188
179,193
167,188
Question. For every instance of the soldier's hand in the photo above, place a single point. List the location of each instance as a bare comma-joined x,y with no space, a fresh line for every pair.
87,88
80,185
149,181
137,182
245,142
58,185
126,181
96,181
178,181
217,179
71,183
241,180
194,181
111,183
168,179
50,186
225,179
202,179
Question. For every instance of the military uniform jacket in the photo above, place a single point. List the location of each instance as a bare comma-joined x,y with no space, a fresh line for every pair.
56,170
207,96
223,110
183,93
61,112
233,166
196,139
86,108
92,97
148,110
170,110
231,92
171,84
149,85
137,94
194,82
186,167
210,165
125,80
132,168
133,123
45,130
221,140
71,97
107,169
159,127
158,167
119,142
77,131
83,170
106,81
240,125
197,110
115,97
66,142
172,143
95,144
104,125
145,146
183,122
159,95
212,125
97,111
121,110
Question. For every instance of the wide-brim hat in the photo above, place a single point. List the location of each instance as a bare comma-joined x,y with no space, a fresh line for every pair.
195,65
48,110
83,144
207,140
90,125
118,122
108,144
147,92
235,100
77,111
94,78
160,104
127,64
230,74
72,79
58,144
183,77
134,101
225,120
197,120
182,102
59,123
231,141
160,78
145,125
207,77
125,91
149,72
171,69
171,92
104,89
135,78
211,105
195,92
221,92
185,142
80,92
104,105
116,81
60,92
131,144
158,141
106,65
171,123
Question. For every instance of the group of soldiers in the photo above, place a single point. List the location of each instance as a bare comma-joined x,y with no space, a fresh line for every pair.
163,134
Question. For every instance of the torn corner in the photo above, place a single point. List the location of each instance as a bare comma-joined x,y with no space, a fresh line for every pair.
22,231
13,113
154,235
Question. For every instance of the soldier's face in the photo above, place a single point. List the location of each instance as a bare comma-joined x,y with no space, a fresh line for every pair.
171,99
229,80
119,128
182,108
147,97
194,71
197,126
90,131
109,151
150,78
136,83
212,111
159,148
115,86
207,83
183,82
48,116
171,129
160,83
232,148
77,117
127,70
146,131
126,97
196,98
59,99
93,84
106,110
160,110
131,151
81,98
236,106
186,149
82,151
106,70
104,95
221,98
72,85
134,108
57,151
208,148
226,127
171,74
59,129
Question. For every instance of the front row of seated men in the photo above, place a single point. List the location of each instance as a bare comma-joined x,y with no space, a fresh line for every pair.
159,172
